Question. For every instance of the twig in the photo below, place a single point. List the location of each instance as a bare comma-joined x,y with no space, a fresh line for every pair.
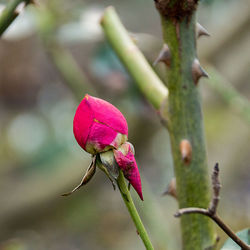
133,212
132,58
10,13
216,190
211,211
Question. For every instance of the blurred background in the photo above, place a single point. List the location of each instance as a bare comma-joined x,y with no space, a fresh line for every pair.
52,55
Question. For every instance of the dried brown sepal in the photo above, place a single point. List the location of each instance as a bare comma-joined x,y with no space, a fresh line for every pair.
197,71
201,31
186,151
86,178
176,10
164,56
171,189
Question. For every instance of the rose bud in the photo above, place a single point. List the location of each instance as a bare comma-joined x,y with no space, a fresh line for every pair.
99,126
101,130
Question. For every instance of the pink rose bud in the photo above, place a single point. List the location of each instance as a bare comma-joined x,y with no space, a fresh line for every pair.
125,159
99,126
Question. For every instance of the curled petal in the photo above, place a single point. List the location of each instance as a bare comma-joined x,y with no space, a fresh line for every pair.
126,161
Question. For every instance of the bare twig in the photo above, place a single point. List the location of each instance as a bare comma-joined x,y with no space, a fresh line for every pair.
216,190
211,211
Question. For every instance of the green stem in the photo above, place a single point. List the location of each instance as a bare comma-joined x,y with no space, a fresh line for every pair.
69,70
133,212
9,14
229,93
65,64
138,67
185,125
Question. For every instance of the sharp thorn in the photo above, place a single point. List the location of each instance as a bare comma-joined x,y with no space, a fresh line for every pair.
201,31
197,71
19,9
164,56
171,189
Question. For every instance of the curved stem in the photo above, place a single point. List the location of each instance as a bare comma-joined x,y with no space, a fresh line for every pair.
9,14
229,232
217,220
133,212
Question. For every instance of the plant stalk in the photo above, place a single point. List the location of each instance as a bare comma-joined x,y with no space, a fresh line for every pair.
132,58
69,70
185,124
9,14
229,94
133,212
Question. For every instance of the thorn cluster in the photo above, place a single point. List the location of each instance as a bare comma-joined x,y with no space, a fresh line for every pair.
197,71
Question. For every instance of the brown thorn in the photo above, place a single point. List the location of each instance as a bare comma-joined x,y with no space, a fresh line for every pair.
171,189
197,71
35,2
201,31
164,56
20,8
186,151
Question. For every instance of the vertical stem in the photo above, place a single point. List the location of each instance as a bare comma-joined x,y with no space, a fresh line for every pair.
133,212
185,123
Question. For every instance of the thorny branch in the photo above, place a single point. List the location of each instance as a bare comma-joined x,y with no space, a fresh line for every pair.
211,211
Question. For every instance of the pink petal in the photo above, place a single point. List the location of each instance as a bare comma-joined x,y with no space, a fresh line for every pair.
98,125
106,113
129,167
83,120
100,137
